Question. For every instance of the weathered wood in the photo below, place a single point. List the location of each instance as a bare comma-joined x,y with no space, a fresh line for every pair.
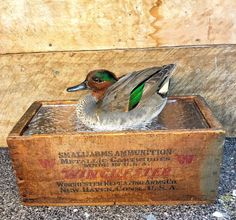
33,26
174,166
209,71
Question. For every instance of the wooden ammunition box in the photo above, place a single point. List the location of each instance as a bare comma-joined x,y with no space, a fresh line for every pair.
58,162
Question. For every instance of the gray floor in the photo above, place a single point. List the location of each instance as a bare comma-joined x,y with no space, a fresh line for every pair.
224,207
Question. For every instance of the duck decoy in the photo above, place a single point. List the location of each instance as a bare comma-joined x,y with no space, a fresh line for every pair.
123,103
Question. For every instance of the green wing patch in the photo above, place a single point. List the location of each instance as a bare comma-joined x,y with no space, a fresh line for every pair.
135,96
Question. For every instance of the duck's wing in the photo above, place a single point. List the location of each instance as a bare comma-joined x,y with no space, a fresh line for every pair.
126,93
157,83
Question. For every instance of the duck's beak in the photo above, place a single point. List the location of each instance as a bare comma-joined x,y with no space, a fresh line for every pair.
81,86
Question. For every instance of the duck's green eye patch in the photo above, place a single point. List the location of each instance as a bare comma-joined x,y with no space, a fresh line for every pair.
97,79
105,75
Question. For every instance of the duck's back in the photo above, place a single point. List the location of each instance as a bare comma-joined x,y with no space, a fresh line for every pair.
135,88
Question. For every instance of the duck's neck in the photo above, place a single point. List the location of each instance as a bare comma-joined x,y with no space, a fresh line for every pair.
99,94
99,90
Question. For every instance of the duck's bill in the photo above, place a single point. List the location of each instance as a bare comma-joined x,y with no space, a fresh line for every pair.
81,86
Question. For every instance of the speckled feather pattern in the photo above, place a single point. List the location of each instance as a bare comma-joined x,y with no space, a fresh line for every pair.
91,116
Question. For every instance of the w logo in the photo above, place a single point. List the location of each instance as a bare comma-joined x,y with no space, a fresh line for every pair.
47,163
185,159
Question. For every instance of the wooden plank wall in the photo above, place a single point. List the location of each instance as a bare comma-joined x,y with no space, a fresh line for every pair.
59,25
209,71
33,34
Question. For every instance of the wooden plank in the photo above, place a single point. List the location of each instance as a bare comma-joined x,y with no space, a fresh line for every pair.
18,129
32,26
207,71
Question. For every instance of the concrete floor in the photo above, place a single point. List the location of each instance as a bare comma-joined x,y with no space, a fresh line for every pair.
223,208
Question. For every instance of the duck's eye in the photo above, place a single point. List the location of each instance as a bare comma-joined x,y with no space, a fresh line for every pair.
97,79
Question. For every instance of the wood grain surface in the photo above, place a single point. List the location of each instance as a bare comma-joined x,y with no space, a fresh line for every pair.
173,166
39,25
208,71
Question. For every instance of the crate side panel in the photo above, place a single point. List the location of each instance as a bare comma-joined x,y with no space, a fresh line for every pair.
125,168
211,166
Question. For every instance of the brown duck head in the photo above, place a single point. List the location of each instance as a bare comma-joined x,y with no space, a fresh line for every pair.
98,81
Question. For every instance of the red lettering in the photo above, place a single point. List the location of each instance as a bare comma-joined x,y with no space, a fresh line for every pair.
166,171
185,159
138,172
70,174
161,172
105,174
82,174
146,171
91,174
127,173
156,172
115,173
47,163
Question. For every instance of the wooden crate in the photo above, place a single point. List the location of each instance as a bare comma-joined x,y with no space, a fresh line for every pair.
176,165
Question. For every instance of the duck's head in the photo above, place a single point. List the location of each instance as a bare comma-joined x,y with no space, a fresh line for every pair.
98,81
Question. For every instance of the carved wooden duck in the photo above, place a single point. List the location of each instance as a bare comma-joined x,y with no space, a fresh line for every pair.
126,102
